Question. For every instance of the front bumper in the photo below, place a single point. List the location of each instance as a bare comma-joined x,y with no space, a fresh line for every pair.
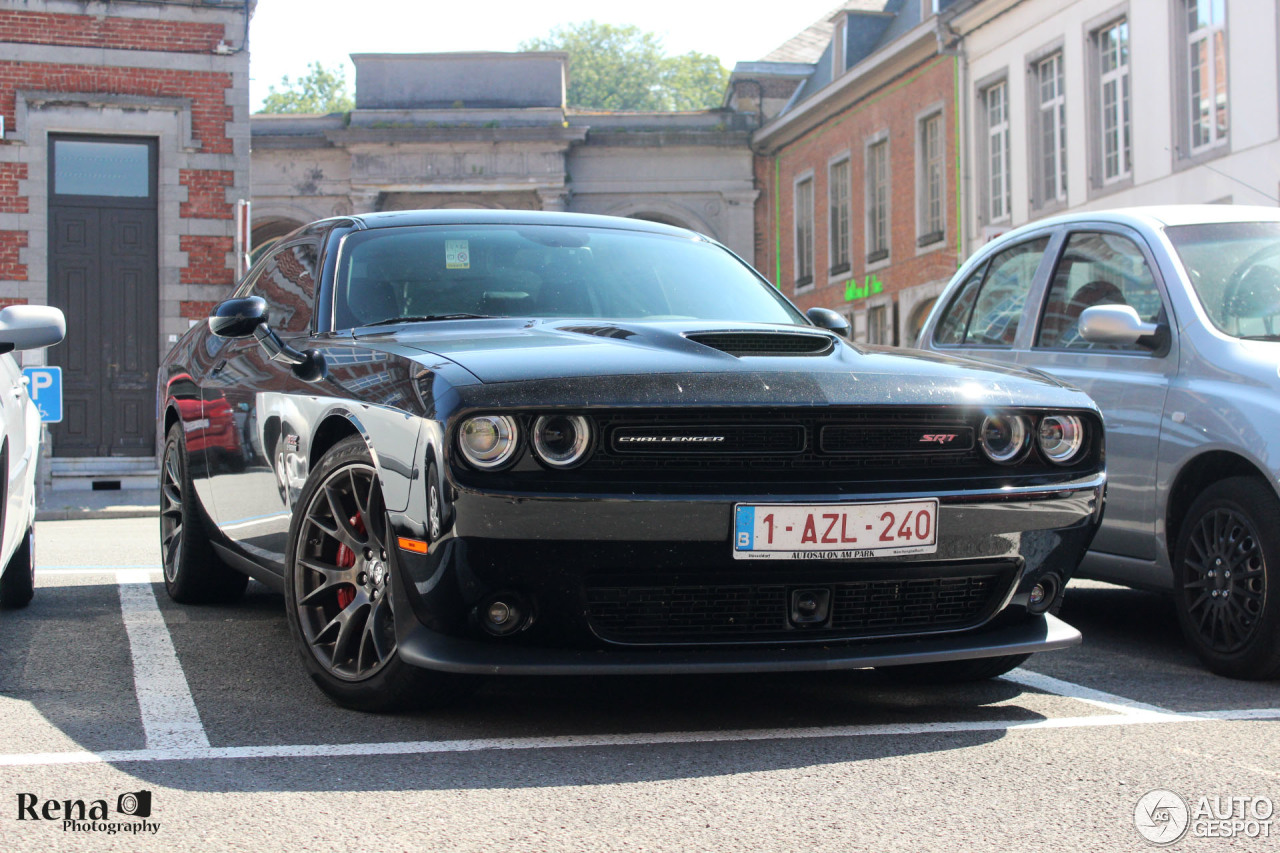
559,552
426,648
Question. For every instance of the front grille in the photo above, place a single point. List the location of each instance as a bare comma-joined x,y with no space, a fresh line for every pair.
896,438
680,613
745,344
715,441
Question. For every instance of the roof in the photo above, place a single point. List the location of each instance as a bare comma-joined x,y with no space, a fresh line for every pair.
1160,216
395,218
809,44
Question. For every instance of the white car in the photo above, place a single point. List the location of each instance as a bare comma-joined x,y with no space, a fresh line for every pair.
22,327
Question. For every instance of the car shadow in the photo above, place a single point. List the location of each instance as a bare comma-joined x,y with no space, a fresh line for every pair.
68,656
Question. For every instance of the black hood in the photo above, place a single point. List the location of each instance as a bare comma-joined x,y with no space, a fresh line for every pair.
697,352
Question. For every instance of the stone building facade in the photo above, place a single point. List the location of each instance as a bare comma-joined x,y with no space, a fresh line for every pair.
492,130
857,167
125,145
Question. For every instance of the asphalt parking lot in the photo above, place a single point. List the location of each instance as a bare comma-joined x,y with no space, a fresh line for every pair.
108,688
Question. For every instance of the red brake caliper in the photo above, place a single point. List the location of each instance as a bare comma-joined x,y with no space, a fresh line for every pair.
346,558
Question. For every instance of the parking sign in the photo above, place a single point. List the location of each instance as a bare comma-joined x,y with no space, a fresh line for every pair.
44,384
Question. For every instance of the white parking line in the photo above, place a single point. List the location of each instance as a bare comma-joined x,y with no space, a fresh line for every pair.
1088,695
169,716
588,741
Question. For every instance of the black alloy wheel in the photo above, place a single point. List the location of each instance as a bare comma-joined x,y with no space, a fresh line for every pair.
192,573
1227,554
339,589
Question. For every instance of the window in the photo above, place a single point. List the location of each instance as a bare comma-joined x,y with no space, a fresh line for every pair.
1113,64
838,197
930,224
804,233
287,283
995,101
93,167
1206,72
837,49
988,307
878,325
1050,132
877,201
1097,269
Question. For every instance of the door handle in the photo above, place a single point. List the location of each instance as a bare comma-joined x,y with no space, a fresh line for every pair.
217,368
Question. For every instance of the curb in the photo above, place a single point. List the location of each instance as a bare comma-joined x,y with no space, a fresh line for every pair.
71,514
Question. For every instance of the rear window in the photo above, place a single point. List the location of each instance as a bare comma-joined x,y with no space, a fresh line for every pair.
545,271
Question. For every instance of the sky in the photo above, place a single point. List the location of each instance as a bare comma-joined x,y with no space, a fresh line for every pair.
286,35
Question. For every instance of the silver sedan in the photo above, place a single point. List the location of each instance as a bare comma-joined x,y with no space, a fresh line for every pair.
1169,317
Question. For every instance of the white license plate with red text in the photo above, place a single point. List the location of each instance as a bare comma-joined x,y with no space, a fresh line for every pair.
834,531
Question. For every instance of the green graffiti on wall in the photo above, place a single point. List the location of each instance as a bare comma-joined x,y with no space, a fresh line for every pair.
870,287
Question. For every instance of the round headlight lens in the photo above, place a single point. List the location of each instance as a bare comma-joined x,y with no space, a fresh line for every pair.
1003,437
561,441
1061,437
488,441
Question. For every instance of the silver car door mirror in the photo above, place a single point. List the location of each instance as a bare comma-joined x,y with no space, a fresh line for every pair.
1114,324
25,327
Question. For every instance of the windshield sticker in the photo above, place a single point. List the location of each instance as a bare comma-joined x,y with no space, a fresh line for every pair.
457,255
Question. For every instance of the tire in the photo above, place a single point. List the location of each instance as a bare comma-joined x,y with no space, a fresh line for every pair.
192,573
338,576
1227,578
18,583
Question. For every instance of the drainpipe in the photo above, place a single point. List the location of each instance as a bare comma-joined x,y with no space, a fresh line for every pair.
951,43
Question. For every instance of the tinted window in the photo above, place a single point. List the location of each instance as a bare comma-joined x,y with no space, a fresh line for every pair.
988,308
1234,268
287,282
1097,269
545,271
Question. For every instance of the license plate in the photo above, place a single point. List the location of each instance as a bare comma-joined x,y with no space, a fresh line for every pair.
834,531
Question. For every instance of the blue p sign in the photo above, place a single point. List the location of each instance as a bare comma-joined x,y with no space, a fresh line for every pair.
44,384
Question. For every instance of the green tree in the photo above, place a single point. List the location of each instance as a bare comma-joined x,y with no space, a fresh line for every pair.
621,67
320,90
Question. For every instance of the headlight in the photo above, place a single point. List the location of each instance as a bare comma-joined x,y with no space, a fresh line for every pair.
1003,437
561,441
1061,437
488,441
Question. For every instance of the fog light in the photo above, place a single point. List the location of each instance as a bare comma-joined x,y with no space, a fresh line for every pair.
1042,596
504,613
500,612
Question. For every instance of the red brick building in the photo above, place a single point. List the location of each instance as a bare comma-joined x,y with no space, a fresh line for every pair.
857,166
125,144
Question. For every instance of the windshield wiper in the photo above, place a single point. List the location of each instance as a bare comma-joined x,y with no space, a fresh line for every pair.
1260,337
427,318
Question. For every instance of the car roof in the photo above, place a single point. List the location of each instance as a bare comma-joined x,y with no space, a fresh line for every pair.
396,218
1161,216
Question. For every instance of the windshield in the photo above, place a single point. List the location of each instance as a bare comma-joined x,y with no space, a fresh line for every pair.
1235,270
438,272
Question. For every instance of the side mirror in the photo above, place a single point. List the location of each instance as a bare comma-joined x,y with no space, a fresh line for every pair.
832,321
238,318
1115,324
31,327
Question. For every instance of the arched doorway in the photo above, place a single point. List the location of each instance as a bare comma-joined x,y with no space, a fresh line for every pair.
915,322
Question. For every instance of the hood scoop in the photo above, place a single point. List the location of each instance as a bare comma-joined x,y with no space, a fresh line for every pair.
746,344
600,331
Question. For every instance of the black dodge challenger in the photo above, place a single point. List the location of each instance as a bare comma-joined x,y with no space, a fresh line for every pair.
494,442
